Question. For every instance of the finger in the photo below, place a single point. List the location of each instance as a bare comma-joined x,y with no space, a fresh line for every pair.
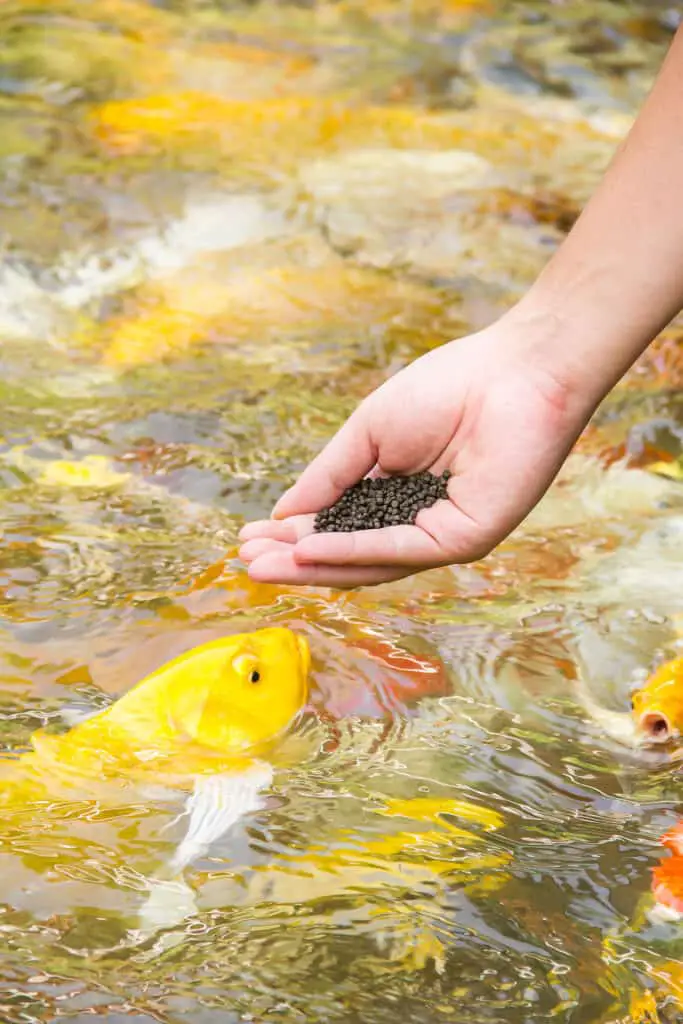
280,567
290,530
342,463
393,545
442,535
253,549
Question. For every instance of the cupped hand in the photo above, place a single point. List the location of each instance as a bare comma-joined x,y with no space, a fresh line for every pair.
482,407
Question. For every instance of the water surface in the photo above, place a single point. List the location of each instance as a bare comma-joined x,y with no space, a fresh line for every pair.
223,224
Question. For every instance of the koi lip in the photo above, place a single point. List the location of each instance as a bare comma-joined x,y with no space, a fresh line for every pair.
655,727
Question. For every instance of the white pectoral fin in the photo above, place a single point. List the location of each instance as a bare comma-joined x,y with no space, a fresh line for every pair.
217,802
215,805
167,905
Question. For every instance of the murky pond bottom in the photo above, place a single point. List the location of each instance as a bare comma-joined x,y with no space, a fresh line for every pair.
223,224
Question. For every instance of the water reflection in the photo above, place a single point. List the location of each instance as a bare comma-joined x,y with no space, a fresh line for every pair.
224,226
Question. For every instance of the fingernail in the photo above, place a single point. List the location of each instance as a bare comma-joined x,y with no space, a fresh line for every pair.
276,513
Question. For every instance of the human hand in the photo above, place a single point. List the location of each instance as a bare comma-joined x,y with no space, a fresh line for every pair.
502,408
482,407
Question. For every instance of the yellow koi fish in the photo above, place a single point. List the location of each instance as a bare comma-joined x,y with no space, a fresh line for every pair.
658,706
204,723
656,715
207,726
658,718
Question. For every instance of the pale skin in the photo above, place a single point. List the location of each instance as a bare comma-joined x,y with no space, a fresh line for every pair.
502,408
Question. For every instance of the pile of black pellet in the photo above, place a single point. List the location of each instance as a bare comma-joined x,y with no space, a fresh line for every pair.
390,501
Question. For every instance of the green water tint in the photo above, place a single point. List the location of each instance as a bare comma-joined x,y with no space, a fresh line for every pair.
224,224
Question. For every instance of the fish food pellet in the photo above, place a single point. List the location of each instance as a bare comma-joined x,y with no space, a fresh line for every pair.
390,501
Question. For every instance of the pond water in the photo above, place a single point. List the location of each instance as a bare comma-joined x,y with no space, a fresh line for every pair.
223,223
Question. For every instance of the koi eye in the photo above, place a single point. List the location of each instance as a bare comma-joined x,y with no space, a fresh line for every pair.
633,704
255,676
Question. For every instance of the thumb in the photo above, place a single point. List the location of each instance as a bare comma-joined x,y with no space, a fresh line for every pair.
342,462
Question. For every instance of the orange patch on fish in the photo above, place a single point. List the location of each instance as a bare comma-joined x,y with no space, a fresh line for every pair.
667,877
373,677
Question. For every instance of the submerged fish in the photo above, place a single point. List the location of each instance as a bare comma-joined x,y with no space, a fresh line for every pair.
657,710
206,722
655,719
657,982
400,874
667,877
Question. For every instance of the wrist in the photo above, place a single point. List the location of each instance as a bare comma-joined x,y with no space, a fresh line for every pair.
617,279
584,343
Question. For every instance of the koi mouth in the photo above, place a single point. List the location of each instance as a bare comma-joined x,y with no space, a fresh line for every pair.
655,727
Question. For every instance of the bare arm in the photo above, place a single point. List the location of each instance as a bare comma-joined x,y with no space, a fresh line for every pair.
502,408
618,278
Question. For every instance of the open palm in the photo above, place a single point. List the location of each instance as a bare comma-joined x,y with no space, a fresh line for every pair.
479,407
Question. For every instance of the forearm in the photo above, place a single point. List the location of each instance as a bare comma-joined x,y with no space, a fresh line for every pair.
617,280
